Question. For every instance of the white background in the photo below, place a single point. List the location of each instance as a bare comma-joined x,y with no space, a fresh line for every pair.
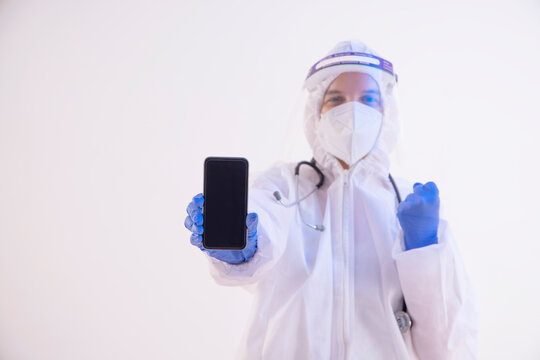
108,109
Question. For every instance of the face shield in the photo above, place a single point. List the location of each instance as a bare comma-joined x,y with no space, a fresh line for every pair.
349,56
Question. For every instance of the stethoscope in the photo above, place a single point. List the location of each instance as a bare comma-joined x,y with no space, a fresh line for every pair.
402,317
277,195
313,165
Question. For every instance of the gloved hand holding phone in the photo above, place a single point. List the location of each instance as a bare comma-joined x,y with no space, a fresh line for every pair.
194,223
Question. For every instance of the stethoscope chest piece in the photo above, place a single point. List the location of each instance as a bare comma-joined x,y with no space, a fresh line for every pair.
403,320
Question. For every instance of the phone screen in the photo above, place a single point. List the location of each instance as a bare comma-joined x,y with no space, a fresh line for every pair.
225,203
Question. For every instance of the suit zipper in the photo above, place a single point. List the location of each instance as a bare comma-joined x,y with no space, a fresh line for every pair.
345,248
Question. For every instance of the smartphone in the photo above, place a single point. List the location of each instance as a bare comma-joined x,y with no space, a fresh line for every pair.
225,203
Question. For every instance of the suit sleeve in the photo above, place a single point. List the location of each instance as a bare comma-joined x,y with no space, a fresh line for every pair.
271,236
439,297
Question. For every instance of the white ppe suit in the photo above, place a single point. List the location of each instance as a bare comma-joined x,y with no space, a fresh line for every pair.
333,294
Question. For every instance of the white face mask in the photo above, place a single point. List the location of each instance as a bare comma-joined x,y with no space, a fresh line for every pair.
349,131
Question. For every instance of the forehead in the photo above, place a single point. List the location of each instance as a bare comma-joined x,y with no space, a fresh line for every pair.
353,81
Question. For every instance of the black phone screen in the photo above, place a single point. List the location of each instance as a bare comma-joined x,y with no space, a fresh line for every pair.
225,203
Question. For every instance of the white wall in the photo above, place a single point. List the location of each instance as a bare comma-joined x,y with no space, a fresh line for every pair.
108,109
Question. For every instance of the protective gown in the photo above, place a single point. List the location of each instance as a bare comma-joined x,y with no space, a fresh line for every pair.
333,294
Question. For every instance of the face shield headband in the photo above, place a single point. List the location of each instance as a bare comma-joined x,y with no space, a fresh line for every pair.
353,58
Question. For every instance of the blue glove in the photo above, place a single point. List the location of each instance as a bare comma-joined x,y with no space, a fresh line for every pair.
419,216
194,222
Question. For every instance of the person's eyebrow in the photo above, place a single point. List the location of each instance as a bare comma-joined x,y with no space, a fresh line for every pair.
372,91
332,92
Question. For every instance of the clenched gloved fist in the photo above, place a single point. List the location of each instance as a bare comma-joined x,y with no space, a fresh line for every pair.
194,223
419,216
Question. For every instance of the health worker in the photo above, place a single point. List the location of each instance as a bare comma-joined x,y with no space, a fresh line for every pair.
352,271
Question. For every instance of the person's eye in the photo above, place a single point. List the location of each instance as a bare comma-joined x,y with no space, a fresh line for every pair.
335,99
370,100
